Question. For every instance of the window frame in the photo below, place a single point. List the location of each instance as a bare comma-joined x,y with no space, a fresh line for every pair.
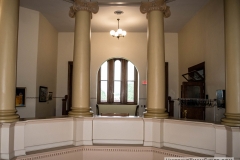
124,81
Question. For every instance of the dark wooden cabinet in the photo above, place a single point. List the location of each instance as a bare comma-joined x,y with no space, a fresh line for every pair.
192,90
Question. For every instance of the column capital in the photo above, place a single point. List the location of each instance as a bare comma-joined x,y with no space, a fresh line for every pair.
160,5
82,5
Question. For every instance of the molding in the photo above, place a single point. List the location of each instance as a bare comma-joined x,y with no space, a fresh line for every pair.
194,123
117,141
52,154
156,5
19,152
40,121
136,119
190,148
82,5
153,120
153,144
157,144
83,119
220,155
47,146
7,155
82,143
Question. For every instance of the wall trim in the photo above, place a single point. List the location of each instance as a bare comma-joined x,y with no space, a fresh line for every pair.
102,149
47,146
191,149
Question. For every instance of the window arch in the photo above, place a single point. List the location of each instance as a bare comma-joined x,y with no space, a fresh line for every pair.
117,82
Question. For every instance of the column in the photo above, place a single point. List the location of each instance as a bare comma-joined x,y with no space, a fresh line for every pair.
9,11
82,11
156,11
232,50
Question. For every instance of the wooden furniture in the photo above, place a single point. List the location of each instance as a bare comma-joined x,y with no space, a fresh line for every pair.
170,107
65,108
194,88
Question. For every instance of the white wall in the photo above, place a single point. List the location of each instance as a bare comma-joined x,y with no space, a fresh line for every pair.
27,59
103,47
31,135
202,39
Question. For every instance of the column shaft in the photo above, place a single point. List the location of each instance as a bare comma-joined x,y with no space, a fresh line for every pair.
156,66
81,66
9,13
232,48
156,11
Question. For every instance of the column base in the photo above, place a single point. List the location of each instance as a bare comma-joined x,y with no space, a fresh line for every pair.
231,119
80,112
8,116
155,113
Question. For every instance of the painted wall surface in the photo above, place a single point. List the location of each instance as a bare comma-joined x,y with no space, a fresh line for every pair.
133,47
65,54
103,47
171,56
27,59
46,66
202,39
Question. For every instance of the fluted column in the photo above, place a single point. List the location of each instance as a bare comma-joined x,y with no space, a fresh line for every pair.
232,50
82,11
9,11
156,11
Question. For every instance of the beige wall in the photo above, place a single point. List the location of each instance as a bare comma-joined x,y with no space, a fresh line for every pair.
103,47
37,62
65,54
202,39
171,56
27,58
46,66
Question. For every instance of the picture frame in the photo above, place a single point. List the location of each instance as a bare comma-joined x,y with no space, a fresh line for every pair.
43,92
50,94
20,100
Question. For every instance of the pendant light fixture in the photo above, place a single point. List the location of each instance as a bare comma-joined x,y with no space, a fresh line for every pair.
119,32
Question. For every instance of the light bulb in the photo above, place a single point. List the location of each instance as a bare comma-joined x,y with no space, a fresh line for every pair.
112,32
116,34
119,31
124,33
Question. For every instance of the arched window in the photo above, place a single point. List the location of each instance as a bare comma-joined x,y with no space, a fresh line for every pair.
117,82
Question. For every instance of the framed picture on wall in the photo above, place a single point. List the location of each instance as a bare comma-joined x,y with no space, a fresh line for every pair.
20,96
43,93
50,96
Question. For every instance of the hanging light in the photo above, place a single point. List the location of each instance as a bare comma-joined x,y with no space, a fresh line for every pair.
119,32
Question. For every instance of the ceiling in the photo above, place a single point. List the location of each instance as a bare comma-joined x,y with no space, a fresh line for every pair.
132,20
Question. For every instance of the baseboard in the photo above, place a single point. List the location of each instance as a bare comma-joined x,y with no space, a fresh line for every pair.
190,148
46,146
82,143
117,141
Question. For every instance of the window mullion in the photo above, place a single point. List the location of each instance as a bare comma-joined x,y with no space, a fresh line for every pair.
99,87
124,82
111,81
135,85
